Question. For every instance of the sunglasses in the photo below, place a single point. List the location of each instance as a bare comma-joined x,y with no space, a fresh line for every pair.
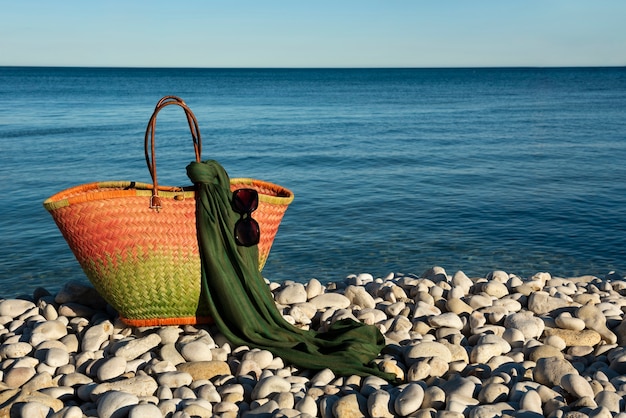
247,231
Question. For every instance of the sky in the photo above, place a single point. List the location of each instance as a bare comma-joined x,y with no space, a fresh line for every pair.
320,33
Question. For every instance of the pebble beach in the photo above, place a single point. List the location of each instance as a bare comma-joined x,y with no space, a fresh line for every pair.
475,347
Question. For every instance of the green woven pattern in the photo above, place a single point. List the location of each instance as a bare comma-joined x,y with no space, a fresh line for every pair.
150,284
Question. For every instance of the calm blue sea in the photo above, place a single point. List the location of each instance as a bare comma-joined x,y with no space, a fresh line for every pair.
522,170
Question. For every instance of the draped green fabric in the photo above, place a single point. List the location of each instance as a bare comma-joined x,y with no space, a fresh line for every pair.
242,305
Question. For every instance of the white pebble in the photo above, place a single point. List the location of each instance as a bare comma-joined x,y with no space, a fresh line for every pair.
15,307
269,385
577,386
111,368
330,300
196,351
409,400
116,404
146,410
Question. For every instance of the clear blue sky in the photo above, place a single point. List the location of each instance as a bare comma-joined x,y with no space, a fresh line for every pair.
320,33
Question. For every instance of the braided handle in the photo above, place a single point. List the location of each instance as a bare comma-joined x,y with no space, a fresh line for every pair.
155,201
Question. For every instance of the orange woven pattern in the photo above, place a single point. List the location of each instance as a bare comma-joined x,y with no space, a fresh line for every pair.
146,263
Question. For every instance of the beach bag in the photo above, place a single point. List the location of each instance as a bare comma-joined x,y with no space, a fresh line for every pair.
137,242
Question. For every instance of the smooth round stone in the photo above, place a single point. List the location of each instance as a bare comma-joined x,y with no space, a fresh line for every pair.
580,350
595,320
477,319
434,397
200,370
530,325
34,409
307,405
566,321
56,357
460,279
169,335
459,386
543,351
542,303
377,405
495,339
175,379
364,278
424,310
170,353
511,305
226,407
586,337
17,376
576,385
457,306
447,320
72,310
74,379
49,312
267,409
479,301
96,335
25,362
550,370
358,296
514,337
15,350
15,307
70,412
299,315
493,393
483,352
249,367
314,288
137,347
555,341
116,404
184,392
49,330
146,410
201,411
409,400
140,385
71,343
496,289
262,358
495,314
610,400
427,349
531,401
290,294
270,385
435,274
353,405
322,378
196,351
111,368
330,300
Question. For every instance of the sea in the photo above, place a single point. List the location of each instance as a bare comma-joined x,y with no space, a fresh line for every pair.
393,170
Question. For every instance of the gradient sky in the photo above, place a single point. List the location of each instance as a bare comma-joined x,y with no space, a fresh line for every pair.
321,33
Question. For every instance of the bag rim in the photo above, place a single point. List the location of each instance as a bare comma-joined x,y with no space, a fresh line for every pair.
104,190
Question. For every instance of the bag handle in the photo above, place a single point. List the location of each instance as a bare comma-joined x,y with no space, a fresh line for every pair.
155,201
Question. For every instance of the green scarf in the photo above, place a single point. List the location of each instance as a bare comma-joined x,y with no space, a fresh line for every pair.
242,305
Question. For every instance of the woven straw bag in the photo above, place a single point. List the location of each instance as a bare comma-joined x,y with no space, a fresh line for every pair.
137,242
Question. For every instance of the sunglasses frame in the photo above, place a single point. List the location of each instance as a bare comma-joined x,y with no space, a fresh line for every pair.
247,230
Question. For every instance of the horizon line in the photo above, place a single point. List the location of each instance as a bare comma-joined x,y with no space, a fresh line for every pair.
319,68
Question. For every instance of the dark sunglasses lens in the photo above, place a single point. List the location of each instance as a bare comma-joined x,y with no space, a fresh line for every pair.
247,232
245,200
